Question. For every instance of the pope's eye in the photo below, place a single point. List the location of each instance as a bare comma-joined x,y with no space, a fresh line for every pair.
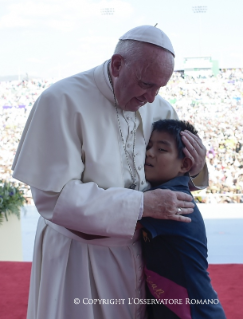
145,85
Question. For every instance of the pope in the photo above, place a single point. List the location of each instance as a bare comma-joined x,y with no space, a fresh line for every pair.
82,152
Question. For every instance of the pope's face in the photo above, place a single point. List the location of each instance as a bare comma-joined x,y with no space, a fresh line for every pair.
138,82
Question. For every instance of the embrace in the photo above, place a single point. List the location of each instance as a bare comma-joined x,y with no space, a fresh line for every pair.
83,152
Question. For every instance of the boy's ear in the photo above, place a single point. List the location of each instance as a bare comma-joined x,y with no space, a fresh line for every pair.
186,165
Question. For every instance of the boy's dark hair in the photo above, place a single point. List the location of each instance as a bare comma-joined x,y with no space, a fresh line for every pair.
174,127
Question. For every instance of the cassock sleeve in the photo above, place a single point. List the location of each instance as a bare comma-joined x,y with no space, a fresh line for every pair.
89,209
200,181
49,159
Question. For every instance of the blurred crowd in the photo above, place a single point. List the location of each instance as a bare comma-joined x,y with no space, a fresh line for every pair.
214,104
16,101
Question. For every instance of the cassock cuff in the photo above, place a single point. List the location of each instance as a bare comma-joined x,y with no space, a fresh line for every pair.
141,210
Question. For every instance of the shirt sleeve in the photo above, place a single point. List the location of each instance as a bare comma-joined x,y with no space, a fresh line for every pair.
163,227
92,210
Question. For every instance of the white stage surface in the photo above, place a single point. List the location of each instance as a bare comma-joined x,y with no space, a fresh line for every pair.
224,224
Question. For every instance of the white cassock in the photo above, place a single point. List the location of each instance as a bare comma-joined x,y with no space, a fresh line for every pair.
72,156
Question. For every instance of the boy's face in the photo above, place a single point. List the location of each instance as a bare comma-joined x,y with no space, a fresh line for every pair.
162,162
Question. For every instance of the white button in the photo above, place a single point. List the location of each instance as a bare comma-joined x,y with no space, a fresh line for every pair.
128,145
139,167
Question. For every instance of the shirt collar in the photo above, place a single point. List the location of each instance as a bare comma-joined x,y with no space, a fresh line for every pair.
177,181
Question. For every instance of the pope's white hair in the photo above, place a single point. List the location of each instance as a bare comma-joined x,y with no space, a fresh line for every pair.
130,50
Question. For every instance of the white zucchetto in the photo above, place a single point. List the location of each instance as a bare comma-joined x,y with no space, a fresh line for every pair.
149,34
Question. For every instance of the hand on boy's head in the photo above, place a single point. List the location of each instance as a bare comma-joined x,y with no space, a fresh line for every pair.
195,150
166,204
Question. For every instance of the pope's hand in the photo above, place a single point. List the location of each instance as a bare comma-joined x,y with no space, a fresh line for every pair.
166,204
195,150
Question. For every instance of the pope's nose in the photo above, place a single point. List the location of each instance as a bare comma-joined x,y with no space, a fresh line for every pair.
150,95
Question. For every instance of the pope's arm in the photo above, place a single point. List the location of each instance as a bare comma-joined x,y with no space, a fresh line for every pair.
50,159
86,208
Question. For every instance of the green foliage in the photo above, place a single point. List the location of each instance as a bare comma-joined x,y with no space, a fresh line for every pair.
11,200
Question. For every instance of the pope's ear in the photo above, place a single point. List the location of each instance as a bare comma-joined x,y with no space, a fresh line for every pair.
116,64
186,165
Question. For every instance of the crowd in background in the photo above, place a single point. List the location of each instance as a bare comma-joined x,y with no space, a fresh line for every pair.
214,104
16,101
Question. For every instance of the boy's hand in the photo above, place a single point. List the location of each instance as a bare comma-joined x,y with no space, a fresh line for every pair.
195,150
166,204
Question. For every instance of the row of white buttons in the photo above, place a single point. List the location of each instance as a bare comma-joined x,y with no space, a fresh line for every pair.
129,145
139,167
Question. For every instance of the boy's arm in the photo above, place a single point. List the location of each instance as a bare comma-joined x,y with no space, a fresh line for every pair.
169,227
164,227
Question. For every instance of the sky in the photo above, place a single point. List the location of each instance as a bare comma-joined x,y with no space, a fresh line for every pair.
58,38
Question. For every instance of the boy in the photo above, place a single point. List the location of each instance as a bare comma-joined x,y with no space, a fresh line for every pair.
175,252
